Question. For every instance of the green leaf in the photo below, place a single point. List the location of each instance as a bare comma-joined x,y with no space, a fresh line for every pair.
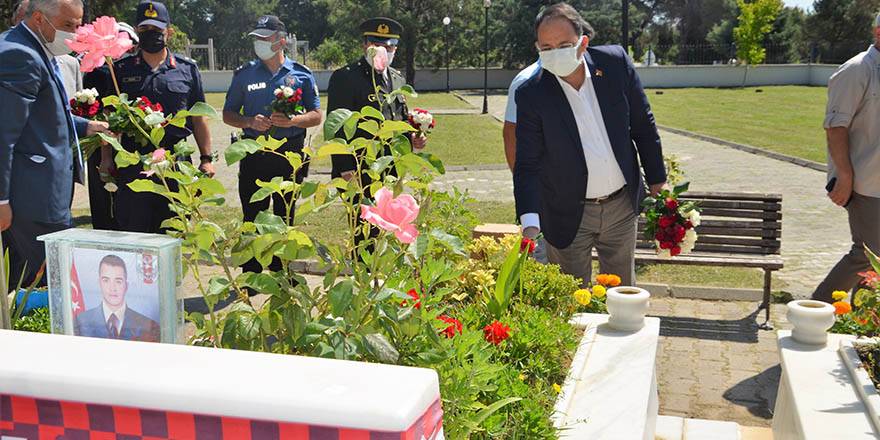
262,283
420,247
208,187
872,257
332,148
184,149
369,126
203,109
268,223
157,134
392,128
240,150
484,413
681,188
262,193
350,127
340,297
270,143
371,112
335,120
384,351
145,185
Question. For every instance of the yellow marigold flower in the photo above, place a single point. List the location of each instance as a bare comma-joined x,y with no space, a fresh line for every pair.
839,295
557,388
841,308
608,280
599,291
583,296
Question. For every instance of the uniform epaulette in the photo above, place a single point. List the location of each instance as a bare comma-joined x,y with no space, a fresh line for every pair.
244,66
185,59
303,67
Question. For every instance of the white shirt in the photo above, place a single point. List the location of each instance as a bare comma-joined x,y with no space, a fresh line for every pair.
521,77
120,315
604,176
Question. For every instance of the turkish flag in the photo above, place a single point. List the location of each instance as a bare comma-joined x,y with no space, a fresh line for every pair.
77,304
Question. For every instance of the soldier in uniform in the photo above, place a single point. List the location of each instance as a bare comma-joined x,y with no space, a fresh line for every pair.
351,87
173,81
248,107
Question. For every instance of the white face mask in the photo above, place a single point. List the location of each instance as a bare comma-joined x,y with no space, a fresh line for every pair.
58,46
561,62
264,49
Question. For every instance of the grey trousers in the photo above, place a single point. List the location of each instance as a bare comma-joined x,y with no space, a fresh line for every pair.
864,224
610,227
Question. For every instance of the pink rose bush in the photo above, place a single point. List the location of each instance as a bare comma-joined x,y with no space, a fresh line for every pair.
393,214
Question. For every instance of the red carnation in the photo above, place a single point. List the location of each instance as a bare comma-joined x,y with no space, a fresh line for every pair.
415,296
496,332
527,244
666,244
679,232
675,251
659,236
453,328
688,225
671,203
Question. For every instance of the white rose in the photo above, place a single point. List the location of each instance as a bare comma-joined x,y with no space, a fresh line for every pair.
278,91
694,217
154,118
423,119
111,187
288,92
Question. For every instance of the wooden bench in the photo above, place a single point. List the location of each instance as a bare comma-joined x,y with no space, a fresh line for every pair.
737,230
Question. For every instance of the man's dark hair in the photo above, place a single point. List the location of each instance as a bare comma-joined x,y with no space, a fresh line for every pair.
113,260
565,11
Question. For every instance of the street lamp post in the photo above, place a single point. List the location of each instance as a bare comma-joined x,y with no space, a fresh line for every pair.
446,21
486,5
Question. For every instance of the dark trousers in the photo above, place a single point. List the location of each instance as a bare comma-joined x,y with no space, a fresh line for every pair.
26,253
864,225
140,211
99,199
265,167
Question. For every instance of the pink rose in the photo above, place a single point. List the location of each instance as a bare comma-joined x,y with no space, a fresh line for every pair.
393,214
97,41
380,58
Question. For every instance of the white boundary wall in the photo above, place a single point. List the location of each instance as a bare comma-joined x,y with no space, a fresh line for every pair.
652,77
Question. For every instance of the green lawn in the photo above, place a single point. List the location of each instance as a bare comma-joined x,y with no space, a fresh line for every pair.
785,119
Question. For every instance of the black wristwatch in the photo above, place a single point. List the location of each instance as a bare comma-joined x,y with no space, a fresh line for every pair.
206,158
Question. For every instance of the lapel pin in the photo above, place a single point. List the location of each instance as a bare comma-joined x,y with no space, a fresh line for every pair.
599,73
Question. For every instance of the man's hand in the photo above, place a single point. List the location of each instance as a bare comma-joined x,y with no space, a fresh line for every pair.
347,175
842,191
260,123
281,120
657,187
207,167
531,232
95,127
419,141
5,216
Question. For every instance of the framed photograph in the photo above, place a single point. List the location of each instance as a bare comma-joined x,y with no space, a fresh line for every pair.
115,285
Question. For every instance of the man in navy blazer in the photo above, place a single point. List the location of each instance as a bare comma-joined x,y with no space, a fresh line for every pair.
39,153
584,127
113,319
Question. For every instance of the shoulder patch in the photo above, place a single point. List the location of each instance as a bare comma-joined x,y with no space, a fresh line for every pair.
184,59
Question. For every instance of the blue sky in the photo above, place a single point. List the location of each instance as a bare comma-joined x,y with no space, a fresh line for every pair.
804,4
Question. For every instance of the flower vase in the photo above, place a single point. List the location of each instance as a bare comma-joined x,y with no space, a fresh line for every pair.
811,320
627,307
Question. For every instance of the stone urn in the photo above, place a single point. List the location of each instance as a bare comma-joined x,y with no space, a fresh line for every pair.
627,307
811,320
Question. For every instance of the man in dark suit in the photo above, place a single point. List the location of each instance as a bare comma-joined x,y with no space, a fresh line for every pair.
113,319
584,126
39,152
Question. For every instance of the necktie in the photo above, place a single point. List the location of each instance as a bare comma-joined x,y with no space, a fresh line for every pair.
112,325
71,128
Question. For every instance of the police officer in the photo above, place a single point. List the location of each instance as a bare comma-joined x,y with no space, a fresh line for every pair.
248,106
173,81
351,87
100,202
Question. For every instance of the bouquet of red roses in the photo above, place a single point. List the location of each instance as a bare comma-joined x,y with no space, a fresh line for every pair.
671,224
422,120
287,101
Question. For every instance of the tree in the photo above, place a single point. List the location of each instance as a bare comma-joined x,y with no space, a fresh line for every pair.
755,22
841,28
789,36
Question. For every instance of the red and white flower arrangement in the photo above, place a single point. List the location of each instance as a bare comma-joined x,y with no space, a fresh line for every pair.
287,101
85,104
422,120
671,224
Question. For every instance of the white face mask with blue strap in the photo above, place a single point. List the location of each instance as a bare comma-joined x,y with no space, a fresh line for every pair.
563,61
